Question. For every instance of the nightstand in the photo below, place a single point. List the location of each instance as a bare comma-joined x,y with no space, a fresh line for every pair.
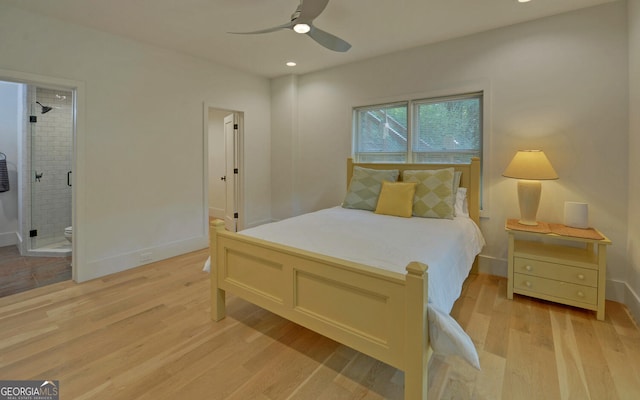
558,263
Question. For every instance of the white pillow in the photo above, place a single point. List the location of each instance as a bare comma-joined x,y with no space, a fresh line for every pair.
461,206
207,265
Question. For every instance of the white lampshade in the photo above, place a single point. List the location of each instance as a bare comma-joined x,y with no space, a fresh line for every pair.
529,166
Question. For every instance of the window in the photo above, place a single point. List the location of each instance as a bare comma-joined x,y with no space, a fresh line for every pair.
442,130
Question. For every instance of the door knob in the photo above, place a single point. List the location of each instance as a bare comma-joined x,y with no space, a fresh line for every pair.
223,178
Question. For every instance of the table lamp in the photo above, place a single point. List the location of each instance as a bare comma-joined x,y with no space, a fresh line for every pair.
529,167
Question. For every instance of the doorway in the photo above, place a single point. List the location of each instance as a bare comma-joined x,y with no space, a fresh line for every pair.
36,214
224,177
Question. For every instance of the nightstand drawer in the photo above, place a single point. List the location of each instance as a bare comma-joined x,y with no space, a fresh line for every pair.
565,273
549,287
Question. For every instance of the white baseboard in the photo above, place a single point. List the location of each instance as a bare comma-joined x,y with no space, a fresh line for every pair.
8,239
110,265
492,266
623,293
632,300
258,223
616,291
216,212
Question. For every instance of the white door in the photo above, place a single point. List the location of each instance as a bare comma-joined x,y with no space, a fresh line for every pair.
231,170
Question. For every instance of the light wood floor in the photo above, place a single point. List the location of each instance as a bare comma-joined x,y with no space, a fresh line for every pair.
146,334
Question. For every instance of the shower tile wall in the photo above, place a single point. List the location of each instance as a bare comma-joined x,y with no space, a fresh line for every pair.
51,144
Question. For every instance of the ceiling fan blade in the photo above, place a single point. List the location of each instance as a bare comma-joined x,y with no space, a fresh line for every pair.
328,40
288,25
306,12
310,9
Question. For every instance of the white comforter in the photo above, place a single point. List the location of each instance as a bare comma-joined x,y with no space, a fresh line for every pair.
448,247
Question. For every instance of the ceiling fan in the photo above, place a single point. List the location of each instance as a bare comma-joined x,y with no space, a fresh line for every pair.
302,22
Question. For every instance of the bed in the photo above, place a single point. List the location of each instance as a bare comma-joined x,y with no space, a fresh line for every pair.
348,296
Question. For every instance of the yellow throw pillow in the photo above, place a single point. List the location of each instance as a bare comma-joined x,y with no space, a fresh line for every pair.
396,198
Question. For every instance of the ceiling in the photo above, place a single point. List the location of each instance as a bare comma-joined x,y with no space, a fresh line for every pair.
373,27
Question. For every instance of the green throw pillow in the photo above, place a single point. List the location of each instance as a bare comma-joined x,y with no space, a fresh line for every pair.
364,187
434,196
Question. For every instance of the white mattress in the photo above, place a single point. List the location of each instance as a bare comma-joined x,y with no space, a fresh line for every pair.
448,247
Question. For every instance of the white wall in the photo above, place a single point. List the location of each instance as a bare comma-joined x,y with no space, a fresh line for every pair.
10,99
559,84
284,147
633,244
141,188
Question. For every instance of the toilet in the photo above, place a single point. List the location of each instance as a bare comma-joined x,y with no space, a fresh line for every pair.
68,233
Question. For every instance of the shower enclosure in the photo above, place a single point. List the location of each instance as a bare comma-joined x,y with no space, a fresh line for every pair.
47,172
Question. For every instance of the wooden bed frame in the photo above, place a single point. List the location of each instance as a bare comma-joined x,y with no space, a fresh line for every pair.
379,313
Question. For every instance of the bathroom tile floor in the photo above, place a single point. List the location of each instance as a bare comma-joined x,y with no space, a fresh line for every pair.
60,245
19,273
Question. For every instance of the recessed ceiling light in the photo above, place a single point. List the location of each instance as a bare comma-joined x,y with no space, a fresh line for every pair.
291,64
523,1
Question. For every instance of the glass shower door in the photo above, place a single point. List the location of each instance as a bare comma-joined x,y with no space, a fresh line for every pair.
51,152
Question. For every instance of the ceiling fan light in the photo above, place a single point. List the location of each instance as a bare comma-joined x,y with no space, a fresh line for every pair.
301,28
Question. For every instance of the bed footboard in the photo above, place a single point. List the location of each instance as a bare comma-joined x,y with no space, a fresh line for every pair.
379,313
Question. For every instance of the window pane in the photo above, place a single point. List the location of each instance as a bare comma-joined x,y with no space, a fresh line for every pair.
381,129
381,157
448,127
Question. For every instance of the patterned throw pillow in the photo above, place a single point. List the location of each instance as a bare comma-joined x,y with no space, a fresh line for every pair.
434,196
364,187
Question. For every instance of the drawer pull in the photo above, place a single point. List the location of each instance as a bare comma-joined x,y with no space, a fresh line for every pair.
528,284
581,277
528,267
580,294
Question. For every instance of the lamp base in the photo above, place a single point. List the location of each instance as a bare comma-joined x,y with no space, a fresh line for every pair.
529,199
